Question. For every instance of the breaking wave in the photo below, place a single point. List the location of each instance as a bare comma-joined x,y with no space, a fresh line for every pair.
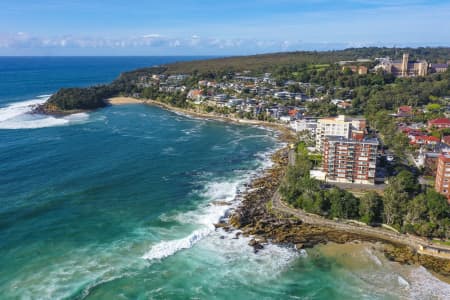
222,196
19,116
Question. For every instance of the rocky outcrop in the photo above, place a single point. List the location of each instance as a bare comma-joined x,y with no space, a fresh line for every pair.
406,255
255,217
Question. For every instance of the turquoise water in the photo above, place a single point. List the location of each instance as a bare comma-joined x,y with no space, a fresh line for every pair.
118,204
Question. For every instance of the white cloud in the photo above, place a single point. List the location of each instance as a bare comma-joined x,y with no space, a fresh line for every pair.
22,42
152,36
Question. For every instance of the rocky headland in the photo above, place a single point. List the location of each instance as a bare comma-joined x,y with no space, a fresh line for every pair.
258,217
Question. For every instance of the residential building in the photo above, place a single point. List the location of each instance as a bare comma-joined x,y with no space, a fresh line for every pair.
405,111
443,175
423,139
286,119
344,105
195,94
439,123
349,160
340,126
305,124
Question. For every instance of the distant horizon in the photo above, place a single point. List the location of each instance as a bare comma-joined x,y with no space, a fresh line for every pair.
227,55
227,28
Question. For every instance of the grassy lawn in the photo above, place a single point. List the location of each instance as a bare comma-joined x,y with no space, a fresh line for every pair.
439,242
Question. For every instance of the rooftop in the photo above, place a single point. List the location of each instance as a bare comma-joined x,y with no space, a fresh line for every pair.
372,141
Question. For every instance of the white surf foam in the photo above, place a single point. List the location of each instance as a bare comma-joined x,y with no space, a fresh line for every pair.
18,116
167,248
44,96
423,285
208,214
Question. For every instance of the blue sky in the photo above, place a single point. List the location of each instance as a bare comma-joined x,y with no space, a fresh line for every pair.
176,27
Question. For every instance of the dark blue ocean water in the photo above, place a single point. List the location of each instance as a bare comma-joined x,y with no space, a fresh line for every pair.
119,204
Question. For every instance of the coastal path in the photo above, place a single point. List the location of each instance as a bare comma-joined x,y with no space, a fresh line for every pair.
418,244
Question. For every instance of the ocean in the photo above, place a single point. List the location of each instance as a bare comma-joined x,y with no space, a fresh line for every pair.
120,203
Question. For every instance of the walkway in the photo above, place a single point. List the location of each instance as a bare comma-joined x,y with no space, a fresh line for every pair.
377,233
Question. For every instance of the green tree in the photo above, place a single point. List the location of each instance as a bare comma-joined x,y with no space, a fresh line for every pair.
371,207
395,202
342,204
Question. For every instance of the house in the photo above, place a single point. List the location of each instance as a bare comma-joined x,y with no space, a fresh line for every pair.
220,97
195,94
439,123
286,119
283,95
405,111
336,101
344,105
294,113
427,161
424,140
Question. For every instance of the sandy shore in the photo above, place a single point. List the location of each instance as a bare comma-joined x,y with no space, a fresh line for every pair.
285,134
124,100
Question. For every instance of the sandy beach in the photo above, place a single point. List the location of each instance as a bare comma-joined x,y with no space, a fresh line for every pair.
285,134
124,100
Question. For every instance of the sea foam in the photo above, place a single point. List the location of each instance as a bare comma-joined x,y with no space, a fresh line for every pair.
226,191
19,116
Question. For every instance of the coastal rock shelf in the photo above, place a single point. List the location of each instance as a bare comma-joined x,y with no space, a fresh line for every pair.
257,217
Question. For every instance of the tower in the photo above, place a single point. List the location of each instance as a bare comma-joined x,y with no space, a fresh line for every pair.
404,70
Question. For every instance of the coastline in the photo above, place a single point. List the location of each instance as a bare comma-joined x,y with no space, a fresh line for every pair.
285,133
258,216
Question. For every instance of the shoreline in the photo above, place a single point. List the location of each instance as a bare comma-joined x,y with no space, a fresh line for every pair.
258,216
285,133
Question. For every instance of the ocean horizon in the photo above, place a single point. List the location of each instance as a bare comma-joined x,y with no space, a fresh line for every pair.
121,202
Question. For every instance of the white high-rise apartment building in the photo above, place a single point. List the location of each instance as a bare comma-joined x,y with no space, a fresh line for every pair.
340,126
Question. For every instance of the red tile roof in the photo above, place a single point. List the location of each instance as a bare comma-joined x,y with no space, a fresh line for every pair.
405,109
439,121
293,112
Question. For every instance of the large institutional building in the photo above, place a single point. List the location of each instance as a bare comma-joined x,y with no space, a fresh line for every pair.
408,68
405,67
349,160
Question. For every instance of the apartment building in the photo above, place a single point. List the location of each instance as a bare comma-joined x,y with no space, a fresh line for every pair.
340,126
349,160
305,124
442,181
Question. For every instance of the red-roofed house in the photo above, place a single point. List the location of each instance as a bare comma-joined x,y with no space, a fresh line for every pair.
195,94
424,140
439,123
293,113
405,111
